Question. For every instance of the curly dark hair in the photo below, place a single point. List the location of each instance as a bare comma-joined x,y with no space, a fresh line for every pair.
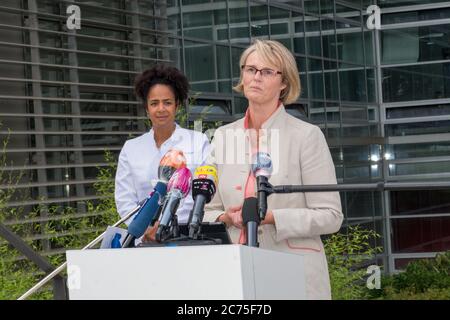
162,74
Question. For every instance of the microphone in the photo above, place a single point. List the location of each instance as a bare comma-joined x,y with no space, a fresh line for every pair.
150,208
142,220
251,219
173,159
262,169
203,190
178,188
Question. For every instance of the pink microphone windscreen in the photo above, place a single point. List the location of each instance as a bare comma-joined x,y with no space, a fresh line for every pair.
181,180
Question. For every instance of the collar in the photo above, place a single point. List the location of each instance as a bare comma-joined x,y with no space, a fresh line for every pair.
279,112
174,137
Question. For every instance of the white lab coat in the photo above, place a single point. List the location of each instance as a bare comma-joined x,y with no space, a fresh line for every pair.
139,159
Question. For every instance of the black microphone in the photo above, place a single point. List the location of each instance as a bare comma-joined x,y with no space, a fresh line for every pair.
250,218
178,188
262,169
203,190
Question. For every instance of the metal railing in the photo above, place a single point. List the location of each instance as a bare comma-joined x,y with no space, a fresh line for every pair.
377,186
56,271
59,287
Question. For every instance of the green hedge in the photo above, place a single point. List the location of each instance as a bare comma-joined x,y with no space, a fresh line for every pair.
424,279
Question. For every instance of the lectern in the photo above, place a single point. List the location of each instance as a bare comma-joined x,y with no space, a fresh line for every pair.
185,272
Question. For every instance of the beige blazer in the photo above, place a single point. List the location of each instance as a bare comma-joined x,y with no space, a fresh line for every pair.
300,155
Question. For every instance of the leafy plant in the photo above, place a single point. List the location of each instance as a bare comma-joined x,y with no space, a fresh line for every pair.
347,256
422,279
428,294
63,227
15,280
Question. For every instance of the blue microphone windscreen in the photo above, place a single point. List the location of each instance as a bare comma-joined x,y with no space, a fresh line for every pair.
262,164
145,215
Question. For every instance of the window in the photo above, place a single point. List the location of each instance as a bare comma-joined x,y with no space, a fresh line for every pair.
415,44
419,82
430,234
420,202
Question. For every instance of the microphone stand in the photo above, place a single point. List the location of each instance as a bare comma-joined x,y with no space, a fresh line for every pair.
175,228
376,186
268,188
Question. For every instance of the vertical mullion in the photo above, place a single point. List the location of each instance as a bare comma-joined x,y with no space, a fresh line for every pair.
137,51
385,194
76,122
230,54
183,56
38,110
214,51
323,70
268,19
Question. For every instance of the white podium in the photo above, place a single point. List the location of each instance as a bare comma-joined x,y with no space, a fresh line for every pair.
186,272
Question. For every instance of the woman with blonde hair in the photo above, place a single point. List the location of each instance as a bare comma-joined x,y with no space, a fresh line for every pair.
294,222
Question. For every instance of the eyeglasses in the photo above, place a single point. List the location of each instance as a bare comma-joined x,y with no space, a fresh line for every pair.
265,73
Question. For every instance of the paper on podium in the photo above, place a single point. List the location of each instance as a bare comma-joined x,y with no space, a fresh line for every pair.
109,235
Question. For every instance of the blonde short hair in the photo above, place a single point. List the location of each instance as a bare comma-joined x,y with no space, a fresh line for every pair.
276,54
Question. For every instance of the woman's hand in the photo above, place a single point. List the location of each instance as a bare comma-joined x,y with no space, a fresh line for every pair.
232,216
269,219
150,233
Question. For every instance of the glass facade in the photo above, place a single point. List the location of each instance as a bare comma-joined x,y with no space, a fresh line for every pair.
381,97
414,66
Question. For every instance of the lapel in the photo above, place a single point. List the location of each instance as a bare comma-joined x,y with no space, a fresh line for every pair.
241,175
271,128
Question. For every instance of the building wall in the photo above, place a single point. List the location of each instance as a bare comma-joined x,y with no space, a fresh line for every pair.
414,112
382,98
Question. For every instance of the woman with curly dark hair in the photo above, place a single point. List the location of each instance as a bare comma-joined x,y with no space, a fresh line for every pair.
162,89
